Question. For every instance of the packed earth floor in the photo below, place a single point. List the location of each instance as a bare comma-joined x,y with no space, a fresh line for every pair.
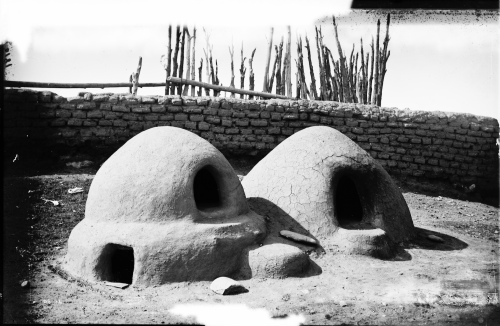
454,282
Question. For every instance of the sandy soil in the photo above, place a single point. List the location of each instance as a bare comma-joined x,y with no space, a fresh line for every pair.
454,282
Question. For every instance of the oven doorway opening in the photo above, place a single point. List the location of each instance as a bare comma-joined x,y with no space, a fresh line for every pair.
349,211
206,191
116,264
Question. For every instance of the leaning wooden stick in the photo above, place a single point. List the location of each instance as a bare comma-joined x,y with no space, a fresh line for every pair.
220,88
135,77
314,94
271,82
343,65
385,57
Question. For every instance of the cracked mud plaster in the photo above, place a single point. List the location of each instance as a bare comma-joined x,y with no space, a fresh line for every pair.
297,182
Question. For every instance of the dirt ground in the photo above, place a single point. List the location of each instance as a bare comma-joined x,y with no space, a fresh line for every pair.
455,282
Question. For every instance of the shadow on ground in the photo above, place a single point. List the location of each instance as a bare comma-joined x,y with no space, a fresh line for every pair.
19,253
423,241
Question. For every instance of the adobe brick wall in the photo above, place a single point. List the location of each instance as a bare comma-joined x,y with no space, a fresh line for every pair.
455,147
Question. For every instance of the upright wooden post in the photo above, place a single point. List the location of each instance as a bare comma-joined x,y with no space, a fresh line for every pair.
193,72
169,58
251,82
181,61
243,71
231,52
268,61
314,94
188,62
289,67
176,52
377,59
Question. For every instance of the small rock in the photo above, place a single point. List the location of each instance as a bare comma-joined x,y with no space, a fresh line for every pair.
298,237
496,231
328,316
435,238
226,285
117,284
25,284
286,297
342,303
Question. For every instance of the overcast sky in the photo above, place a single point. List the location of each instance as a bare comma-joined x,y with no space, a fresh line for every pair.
441,60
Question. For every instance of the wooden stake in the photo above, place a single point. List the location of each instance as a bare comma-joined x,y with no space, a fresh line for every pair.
385,57
377,59
207,67
176,52
231,52
367,64
268,61
343,65
243,71
193,61
326,67
270,86
188,62
314,94
251,85
279,83
289,66
216,75
181,61
300,70
370,84
284,72
363,77
200,76
322,78
169,58
135,77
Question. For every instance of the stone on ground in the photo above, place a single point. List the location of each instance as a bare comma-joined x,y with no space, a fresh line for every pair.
226,286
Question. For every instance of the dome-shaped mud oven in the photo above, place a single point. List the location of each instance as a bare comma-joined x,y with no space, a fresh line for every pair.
167,207
333,190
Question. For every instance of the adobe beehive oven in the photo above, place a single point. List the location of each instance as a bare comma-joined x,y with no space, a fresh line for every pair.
167,206
332,188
